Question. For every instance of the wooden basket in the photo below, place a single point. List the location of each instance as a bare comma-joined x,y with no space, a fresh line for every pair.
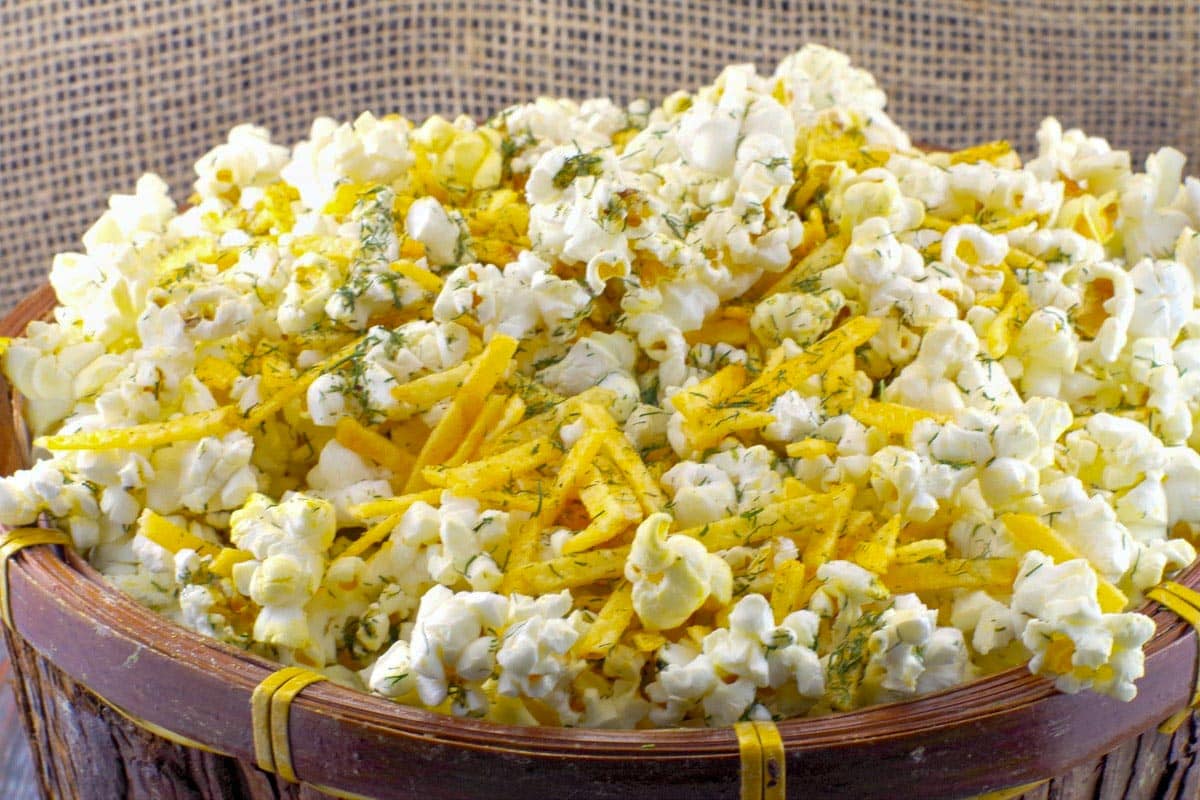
109,691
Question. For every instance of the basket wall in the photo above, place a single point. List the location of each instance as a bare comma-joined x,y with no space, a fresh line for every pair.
93,93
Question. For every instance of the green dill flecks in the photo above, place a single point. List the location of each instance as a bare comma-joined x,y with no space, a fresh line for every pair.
848,662
577,166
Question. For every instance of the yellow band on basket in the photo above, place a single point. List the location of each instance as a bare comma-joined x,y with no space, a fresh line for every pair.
270,708
13,542
161,732
763,767
774,769
1186,603
1183,592
281,703
1011,792
750,748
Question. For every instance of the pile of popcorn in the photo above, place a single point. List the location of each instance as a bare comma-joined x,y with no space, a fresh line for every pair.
735,407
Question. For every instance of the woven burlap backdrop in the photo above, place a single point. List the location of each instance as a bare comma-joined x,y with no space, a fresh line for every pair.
94,93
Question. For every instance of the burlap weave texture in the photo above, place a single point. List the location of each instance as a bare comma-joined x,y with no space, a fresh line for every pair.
92,94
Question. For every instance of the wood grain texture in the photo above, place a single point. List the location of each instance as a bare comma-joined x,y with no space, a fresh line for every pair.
16,768
83,750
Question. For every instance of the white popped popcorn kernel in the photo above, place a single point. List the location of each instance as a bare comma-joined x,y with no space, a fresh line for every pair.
370,150
465,541
1148,222
1071,640
453,645
288,541
751,654
673,576
601,359
910,654
992,624
534,655
247,159
428,223
345,479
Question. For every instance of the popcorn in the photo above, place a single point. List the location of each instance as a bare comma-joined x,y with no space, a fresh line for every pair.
533,659
292,416
345,479
673,576
288,541
464,542
753,653
369,150
910,654
601,359
247,159
453,645
1071,640
428,223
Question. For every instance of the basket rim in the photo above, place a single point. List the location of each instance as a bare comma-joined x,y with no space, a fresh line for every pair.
57,600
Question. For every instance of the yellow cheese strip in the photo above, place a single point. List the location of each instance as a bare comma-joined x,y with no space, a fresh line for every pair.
818,358
838,386
548,422
789,582
921,550
810,448
508,501
514,412
188,428
706,431
493,409
607,524
695,400
1008,322
647,641
217,374
392,505
721,330
951,573
822,544
610,516
826,255
876,553
891,418
1030,533
427,391
353,435
568,572
172,537
525,542
225,561
496,470
296,388
609,625
988,151
418,275
644,484
796,519
1019,259
490,367
373,535
275,372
